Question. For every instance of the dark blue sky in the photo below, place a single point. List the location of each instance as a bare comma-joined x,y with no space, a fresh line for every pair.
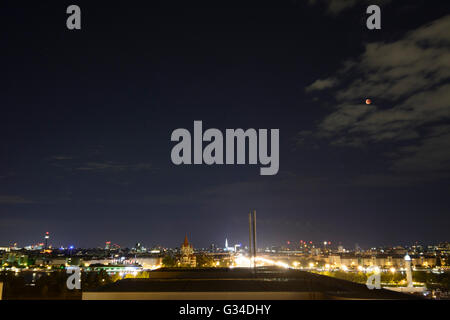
86,119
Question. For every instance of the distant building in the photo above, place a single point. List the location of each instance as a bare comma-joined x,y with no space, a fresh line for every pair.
13,258
139,248
46,238
227,248
187,254
399,251
380,260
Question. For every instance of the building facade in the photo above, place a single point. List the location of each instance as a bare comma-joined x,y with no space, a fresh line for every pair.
187,257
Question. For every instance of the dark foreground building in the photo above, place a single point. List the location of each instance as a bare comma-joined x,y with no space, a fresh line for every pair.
237,284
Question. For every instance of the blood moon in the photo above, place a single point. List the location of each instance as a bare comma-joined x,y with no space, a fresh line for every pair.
368,101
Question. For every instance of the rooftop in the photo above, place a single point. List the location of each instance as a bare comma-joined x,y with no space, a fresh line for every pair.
220,284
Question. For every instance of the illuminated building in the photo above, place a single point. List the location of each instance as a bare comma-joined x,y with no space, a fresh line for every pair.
227,248
46,237
187,254
408,271
139,248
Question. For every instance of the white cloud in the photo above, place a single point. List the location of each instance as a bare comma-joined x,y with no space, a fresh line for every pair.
408,80
321,84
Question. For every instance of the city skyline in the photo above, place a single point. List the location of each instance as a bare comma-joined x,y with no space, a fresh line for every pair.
55,244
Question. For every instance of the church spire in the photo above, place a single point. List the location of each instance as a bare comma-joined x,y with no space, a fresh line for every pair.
186,242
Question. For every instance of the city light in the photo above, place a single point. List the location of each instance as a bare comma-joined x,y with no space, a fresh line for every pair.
123,264
265,261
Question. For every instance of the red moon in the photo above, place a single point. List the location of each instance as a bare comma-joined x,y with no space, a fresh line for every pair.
368,101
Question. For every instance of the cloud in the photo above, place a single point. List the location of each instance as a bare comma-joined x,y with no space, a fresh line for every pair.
408,81
432,154
7,199
321,84
396,70
436,32
345,116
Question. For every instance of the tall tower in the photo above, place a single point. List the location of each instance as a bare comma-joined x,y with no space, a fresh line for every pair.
408,271
226,244
46,237
252,236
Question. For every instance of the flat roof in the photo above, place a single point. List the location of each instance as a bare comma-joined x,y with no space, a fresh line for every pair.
219,281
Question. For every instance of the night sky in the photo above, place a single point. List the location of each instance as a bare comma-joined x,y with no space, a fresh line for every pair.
87,115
